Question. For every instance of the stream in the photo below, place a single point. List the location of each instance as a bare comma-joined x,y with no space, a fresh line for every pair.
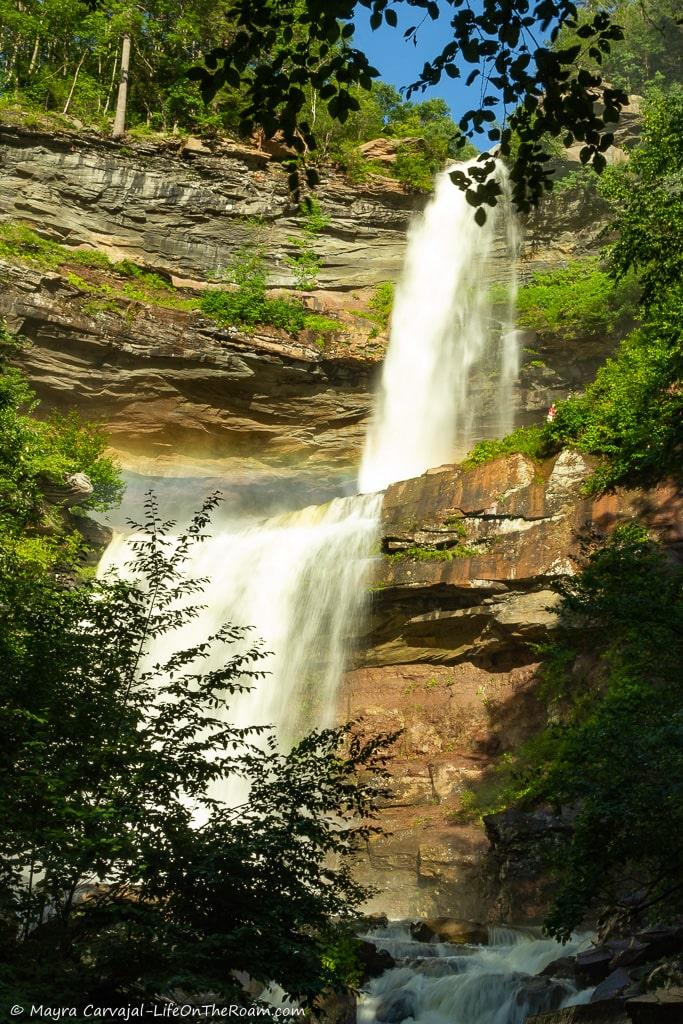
443,983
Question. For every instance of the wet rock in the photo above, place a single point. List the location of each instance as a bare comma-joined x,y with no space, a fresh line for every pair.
373,961
593,965
396,1007
608,1012
664,1006
368,922
539,994
614,986
515,829
449,929
650,944
563,967
336,1008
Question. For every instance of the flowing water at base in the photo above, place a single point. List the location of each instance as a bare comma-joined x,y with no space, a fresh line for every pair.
440,983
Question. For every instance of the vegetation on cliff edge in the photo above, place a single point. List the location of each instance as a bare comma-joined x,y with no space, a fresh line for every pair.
631,415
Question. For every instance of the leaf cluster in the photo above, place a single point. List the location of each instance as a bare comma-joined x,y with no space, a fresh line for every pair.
579,300
247,304
36,454
616,753
124,859
277,53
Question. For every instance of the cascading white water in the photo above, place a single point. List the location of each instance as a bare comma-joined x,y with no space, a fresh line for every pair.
439,983
299,579
442,327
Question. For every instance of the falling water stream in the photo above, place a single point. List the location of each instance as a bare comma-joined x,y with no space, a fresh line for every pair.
299,579
442,329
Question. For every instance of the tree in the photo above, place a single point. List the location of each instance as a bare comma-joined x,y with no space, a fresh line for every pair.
647,199
616,754
123,864
119,125
652,46
279,51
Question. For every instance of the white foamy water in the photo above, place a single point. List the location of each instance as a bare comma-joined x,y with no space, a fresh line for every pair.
442,327
439,983
299,579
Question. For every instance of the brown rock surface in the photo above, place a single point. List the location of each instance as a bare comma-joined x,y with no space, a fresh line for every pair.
447,660
185,209
167,381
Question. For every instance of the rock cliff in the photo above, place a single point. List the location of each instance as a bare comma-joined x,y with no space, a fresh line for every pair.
168,385
463,588
461,596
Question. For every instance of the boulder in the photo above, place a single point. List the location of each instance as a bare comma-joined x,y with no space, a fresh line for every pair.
593,965
194,145
563,967
650,944
368,922
396,1007
449,929
538,994
74,489
613,987
385,151
374,961
336,1008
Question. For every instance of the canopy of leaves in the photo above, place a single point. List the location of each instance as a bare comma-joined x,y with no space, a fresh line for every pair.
124,862
651,48
615,752
647,197
62,56
576,301
277,52
431,137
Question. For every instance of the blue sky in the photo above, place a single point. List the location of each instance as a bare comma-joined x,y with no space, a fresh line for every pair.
400,62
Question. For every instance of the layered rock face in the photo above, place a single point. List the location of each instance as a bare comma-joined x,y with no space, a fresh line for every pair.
172,388
462,591
168,385
449,659
189,209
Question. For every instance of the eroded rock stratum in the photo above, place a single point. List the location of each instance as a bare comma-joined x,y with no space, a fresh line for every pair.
171,386
463,588
450,659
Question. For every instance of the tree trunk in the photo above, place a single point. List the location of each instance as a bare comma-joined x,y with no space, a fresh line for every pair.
122,99
73,85
34,56
111,84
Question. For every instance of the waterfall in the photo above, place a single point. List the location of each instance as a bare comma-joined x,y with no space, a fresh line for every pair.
442,327
439,983
299,579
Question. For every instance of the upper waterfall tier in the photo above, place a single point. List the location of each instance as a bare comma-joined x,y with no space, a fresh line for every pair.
442,328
